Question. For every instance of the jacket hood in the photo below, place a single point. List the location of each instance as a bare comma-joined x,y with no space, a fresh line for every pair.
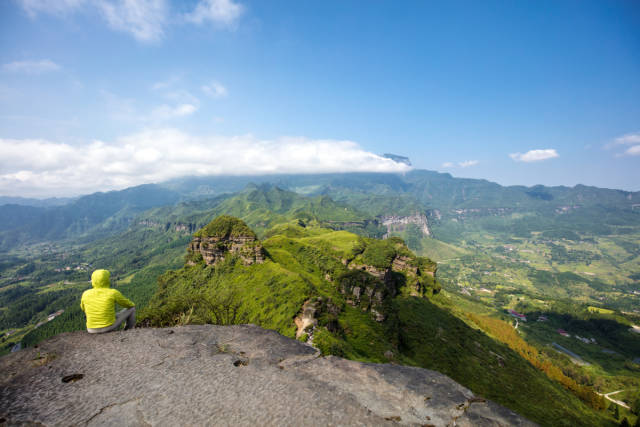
101,279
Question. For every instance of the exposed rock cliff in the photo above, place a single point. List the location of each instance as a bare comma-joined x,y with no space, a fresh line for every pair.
397,271
395,223
225,235
225,375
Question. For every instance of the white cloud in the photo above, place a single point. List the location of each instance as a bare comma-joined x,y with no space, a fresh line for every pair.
157,155
31,67
166,112
464,164
165,84
144,19
468,163
618,143
220,12
53,7
633,151
182,96
215,90
534,155
630,138
125,109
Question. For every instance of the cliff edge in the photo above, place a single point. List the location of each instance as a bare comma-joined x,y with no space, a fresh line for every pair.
230,375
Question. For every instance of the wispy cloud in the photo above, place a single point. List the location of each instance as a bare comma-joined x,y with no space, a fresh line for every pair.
166,112
158,155
215,89
463,164
55,7
124,109
468,163
219,12
632,139
633,150
183,96
535,155
119,108
144,19
184,104
165,84
31,67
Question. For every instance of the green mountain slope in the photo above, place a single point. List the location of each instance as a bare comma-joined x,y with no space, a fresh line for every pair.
369,300
88,217
262,207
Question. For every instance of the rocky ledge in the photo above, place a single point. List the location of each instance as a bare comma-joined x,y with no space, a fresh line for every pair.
224,375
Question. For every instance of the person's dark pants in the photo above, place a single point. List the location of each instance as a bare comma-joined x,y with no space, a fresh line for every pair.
127,314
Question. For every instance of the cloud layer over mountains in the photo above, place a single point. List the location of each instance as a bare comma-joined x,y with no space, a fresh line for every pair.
42,168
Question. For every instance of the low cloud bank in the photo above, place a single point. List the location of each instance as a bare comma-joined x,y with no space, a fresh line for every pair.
42,168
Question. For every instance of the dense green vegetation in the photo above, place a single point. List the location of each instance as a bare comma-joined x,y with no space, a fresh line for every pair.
570,255
225,226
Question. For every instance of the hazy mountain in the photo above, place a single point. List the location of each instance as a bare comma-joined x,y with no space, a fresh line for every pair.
53,201
589,208
90,216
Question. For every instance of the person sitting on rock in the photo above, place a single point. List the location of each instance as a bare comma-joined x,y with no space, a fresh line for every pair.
98,305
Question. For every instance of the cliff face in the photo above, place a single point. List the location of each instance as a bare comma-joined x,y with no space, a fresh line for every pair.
214,249
222,236
395,223
230,375
368,286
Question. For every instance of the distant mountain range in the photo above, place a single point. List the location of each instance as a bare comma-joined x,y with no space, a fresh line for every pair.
375,194
23,201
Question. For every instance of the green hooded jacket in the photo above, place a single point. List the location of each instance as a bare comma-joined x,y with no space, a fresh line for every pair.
98,303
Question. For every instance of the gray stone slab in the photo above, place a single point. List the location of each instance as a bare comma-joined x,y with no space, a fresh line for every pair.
231,375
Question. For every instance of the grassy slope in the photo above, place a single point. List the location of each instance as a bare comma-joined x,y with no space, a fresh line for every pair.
434,338
417,331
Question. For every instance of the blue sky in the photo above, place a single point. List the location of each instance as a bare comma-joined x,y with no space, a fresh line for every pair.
98,94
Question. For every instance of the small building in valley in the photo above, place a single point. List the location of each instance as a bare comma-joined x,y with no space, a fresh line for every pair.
518,315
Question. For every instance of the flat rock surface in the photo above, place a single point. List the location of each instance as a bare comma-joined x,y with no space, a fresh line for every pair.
223,375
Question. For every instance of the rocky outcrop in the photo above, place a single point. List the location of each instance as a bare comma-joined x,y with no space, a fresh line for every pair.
224,236
214,249
367,287
224,375
306,321
398,224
